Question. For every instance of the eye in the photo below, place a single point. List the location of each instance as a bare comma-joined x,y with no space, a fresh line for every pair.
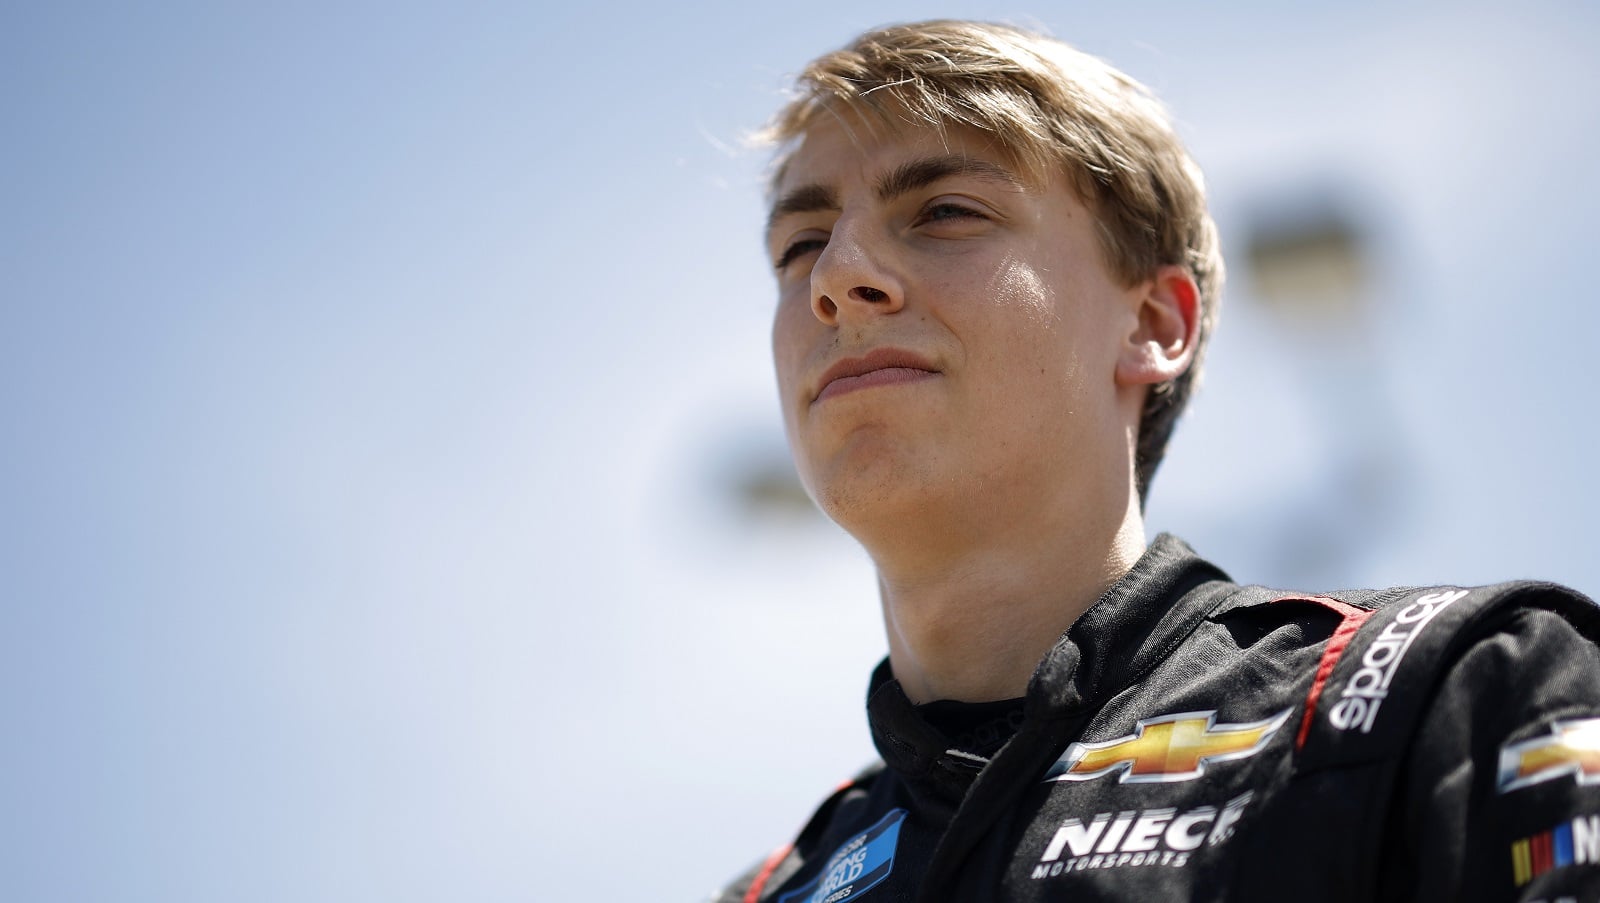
952,216
799,249
947,210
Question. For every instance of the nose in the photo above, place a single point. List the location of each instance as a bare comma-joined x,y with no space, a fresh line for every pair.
853,278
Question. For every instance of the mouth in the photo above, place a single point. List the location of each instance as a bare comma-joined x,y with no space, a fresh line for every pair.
880,367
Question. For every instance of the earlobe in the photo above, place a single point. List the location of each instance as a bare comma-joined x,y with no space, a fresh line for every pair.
1162,343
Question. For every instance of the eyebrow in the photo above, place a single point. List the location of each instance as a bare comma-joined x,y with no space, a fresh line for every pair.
903,179
908,177
805,199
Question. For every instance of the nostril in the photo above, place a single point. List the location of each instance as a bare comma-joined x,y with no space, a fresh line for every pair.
868,293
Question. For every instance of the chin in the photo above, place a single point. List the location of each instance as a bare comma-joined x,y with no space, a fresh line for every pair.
873,474
866,500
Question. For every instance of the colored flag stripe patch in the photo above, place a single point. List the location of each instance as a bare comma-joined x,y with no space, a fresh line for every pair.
1547,850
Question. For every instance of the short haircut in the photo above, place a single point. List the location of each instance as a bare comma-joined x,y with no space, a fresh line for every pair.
1053,109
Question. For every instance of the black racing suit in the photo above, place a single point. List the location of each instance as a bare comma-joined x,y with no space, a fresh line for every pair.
1192,739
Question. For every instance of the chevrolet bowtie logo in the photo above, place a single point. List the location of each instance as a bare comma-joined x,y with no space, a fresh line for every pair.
1168,748
1572,748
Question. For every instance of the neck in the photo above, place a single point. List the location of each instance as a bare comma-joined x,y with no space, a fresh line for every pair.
970,620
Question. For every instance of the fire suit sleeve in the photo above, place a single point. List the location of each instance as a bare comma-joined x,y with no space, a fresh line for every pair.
1499,795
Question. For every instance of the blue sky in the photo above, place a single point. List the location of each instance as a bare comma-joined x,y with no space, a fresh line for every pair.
371,377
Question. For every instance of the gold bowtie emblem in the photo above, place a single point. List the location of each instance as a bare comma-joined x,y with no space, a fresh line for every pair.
1571,748
1167,748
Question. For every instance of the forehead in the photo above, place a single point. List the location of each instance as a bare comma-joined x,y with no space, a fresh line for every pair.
848,147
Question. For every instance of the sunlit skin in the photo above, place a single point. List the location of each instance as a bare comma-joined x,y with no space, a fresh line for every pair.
980,443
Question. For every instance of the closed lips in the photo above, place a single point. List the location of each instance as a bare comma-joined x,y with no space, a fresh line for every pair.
885,366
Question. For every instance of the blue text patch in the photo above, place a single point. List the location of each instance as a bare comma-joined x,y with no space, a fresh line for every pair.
857,866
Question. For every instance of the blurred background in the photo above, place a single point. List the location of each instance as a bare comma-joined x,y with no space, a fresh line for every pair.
394,504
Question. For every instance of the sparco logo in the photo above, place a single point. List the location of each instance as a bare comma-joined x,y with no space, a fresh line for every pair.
1368,687
1144,837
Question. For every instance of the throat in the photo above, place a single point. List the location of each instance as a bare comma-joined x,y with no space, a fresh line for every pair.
976,634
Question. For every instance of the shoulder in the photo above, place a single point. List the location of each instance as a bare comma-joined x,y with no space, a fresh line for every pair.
1462,720
1517,664
1516,646
1433,624
1504,754
1397,650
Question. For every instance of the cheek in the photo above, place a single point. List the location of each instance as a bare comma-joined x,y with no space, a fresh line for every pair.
1036,338
1024,291
789,343
1025,308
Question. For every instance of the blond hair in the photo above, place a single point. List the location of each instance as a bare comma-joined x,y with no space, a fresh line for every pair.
1053,109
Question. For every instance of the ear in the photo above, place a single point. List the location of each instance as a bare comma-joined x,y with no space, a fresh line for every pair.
1162,343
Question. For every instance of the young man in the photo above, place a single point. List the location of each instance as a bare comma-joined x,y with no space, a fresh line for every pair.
996,277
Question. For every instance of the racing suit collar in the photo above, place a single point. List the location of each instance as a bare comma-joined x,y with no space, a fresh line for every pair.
1130,629
1133,627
